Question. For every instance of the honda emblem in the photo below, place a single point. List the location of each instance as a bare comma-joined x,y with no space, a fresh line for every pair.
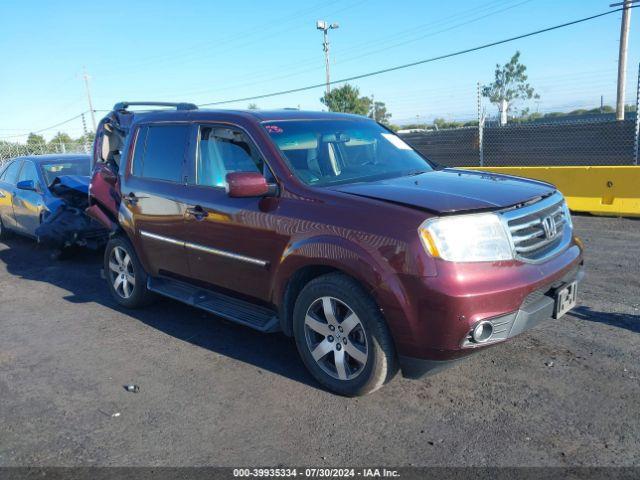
549,226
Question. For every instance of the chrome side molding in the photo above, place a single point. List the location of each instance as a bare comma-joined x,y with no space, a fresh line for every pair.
203,248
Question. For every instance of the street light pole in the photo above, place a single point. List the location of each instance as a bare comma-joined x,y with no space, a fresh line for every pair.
622,55
325,27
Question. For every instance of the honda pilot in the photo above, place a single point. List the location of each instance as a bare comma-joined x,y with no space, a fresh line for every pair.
331,229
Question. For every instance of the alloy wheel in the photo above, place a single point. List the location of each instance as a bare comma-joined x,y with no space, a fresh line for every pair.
336,338
121,272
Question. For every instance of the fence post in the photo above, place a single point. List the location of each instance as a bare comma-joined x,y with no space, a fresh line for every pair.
480,129
636,143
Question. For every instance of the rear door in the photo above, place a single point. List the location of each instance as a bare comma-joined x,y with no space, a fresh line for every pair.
28,204
153,192
8,181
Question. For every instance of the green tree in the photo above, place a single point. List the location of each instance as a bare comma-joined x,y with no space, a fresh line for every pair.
347,99
252,106
509,86
60,143
379,113
35,143
86,139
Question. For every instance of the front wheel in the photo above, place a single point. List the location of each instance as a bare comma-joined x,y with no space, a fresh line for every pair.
125,275
342,337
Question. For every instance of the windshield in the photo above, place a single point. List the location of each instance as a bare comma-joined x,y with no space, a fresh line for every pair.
76,167
330,152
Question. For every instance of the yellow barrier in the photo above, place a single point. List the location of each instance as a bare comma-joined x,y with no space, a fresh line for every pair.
611,191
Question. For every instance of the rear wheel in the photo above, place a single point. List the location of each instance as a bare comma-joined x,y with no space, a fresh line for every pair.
125,275
342,337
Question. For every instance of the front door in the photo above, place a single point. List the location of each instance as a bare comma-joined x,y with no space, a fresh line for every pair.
231,242
153,198
28,204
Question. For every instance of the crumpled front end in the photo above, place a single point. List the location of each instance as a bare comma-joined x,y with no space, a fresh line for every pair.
66,224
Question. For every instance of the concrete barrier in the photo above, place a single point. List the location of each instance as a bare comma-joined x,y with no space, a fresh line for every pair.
613,191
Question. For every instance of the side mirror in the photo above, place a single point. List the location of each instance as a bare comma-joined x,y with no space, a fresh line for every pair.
26,185
246,184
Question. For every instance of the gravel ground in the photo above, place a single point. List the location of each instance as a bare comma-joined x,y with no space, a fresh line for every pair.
213,393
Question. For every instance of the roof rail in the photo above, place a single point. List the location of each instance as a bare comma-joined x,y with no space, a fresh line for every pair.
121,106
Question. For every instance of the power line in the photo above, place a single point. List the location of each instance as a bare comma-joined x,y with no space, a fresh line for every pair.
47,128
413,64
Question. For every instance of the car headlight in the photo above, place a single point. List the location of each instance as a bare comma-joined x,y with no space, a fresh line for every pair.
567,214
467,238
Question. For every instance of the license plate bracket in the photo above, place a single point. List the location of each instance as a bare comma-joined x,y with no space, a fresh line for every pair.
565,299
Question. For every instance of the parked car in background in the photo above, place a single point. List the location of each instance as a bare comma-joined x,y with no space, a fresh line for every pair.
44,197
329,228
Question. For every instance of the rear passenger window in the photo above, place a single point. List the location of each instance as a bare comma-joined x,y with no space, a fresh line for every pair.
11,173
159,152
138,153
224,150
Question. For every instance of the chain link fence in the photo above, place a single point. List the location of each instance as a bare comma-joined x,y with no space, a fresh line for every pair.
579,138
11,150
596,140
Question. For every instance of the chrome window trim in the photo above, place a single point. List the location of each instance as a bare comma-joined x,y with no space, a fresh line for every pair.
514,213
202,248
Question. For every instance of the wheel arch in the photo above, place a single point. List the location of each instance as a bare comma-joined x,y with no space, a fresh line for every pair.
314,257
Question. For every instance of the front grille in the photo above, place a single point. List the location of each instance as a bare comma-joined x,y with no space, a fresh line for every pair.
539,230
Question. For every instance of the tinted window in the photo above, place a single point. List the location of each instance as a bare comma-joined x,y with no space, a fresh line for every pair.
53,170
163,153
326,152
138,153
10,175
224,150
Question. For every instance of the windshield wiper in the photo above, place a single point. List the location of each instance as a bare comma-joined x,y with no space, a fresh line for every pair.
416,172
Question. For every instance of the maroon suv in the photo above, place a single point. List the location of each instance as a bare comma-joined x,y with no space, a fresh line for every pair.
329,228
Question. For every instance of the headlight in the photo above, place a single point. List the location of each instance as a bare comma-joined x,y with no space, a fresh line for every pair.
467,238
567,214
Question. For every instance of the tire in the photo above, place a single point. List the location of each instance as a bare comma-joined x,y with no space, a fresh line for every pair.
334,318
125,276
3,231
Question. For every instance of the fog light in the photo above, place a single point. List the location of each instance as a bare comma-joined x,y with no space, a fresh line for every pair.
482,332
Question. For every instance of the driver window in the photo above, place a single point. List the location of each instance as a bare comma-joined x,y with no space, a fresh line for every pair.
29,172
224,150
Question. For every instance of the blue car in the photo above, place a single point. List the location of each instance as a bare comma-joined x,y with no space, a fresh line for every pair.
44,197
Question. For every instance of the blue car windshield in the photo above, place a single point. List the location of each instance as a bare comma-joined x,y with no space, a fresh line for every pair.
57,169
331,152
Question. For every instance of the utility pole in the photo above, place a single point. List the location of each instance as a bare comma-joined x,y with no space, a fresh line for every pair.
325,27
622,56
480,127
373,108
86,84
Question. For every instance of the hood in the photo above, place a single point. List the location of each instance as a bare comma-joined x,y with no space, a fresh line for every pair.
451,190
71,190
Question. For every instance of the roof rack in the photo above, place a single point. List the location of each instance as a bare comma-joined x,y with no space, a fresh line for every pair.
121,106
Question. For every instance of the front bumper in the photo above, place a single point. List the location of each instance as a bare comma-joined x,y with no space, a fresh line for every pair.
537,307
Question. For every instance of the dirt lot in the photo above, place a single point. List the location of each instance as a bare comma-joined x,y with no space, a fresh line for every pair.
213,393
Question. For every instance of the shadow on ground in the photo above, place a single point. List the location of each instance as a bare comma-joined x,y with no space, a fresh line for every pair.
620,320
80,276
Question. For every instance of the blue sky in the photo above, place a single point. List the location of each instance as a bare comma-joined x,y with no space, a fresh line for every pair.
205,51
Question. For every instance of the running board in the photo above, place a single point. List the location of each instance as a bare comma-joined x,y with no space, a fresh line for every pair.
233,309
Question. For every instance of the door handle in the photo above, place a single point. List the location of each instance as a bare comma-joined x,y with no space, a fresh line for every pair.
198,212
